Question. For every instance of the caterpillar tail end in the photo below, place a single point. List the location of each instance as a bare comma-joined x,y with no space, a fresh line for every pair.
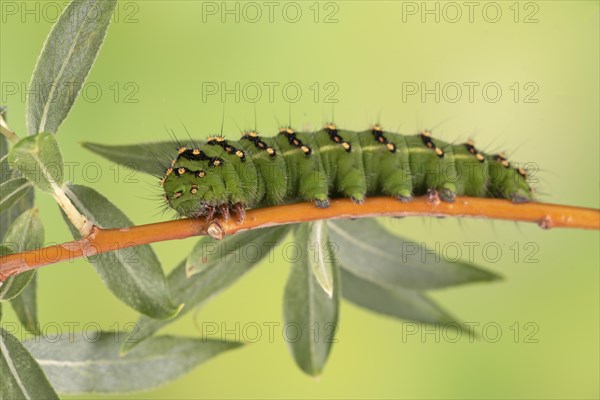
519,198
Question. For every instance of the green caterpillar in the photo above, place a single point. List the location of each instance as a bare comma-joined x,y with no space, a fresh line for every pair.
256,171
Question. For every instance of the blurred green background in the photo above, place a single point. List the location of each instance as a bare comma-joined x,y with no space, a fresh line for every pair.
152,75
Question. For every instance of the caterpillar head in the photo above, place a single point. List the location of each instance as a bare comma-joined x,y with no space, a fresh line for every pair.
194,184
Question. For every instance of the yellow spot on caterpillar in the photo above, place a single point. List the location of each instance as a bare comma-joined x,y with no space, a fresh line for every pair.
381,139
169,171
439,151
377,128
346,145
200,174
391,147
502,156
177,195
305,149
181,171
270,150
216,162
182,149
470,142
193,190
253,134
426,133
216,138
330,126
522,172
296,142
196,152
287,131
480,157
239,153
505,163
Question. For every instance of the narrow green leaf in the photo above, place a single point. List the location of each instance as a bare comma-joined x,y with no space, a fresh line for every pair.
65,61
11,192
91,363
39,159
25,233
397,302
311,316
5,170
223,267
24,203
20,376
132,274
149,160
320,252
7,218
25,306
370,252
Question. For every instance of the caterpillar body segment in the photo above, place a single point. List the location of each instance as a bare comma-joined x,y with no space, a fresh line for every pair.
291,166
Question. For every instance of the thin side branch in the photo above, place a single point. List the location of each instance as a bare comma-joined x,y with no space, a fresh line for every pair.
79,221
7,132
104,240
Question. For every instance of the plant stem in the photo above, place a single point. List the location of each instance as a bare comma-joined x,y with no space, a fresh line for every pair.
77,219
7,132
104,240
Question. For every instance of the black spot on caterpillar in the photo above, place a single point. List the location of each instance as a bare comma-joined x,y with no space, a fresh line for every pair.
295,166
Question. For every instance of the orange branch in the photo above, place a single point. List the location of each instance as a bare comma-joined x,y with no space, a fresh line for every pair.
103,240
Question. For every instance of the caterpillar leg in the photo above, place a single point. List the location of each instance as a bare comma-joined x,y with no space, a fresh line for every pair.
433,197
352,184
401,191
313,187
224,211
358,198
240,210
447,195
210,212
399,185
322,203
404,198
